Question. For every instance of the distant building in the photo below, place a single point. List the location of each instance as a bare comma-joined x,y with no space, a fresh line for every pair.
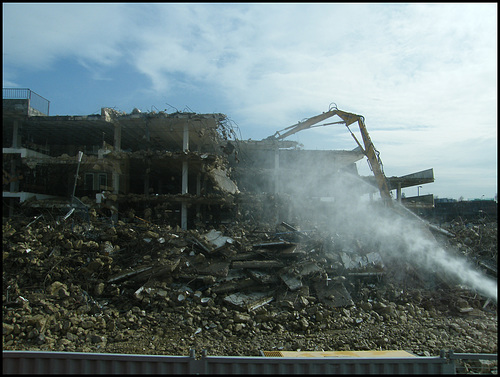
444,200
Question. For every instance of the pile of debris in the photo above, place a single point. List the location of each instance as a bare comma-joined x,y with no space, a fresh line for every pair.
77,285
477,241
241,267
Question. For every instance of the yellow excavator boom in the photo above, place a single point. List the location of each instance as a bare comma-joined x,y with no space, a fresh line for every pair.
368,148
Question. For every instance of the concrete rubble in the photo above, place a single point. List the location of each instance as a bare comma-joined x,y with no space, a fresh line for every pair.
77,285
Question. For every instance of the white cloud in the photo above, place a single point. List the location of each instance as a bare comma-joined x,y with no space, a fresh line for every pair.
37,34
423,75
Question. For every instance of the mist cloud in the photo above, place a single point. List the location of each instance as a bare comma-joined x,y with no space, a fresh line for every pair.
394,232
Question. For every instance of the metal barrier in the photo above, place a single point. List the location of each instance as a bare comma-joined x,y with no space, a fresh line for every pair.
36,101
37,362
474,363
16,93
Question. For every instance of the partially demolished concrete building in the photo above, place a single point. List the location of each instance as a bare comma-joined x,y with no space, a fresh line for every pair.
179,168
168,223
124,162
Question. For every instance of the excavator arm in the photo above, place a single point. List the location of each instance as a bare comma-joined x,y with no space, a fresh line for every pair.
368,148
308,123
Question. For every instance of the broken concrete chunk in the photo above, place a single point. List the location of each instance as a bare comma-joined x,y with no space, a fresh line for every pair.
138,293
152,234
352,261
274,245
128,274
368,274
257,264
263,277
303,301
245,256
200,245
219,269
199,259
292,251
308,268
216,238
99,288
59,289
333,295
292,282
7,329
373,258
233,285
242,318
223,182
249,301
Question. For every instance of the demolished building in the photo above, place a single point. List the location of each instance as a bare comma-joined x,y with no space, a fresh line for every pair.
187,171
190,171
179,168
171,214
150,164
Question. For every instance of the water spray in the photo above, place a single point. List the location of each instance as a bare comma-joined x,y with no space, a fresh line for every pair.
402,234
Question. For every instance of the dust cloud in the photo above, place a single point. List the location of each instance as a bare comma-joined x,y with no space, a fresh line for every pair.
344,206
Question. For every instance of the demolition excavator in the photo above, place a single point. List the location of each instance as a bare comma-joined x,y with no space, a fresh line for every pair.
367,148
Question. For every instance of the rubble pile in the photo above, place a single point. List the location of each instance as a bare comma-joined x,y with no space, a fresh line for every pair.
73,284
478,241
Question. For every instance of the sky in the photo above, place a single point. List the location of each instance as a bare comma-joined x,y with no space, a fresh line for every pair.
423,75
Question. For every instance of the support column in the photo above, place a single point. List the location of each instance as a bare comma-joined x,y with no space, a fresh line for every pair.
198,194
398,193
276,170
118,147
116,183
277,179
118,137
116,191
146,183
16,138
185,173
14,185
